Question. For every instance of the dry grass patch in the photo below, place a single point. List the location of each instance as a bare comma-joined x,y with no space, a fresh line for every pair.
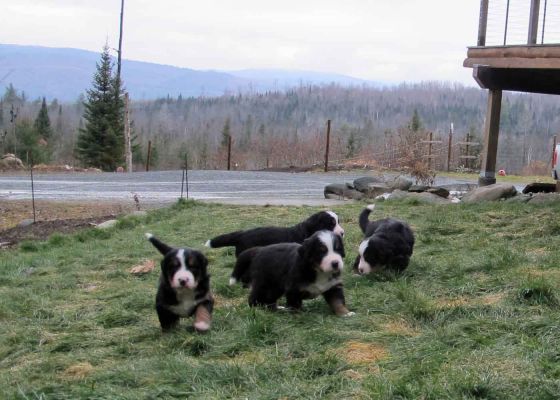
226,302
400,328
355,352
487,299
78,371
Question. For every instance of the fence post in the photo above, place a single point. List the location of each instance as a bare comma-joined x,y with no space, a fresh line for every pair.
328,144
449,147
553,147
229,153
149,155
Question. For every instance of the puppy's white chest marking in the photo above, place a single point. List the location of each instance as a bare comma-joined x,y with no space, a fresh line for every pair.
185,297
323,283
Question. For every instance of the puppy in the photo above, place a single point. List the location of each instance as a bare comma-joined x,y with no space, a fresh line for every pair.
184,287
298,271
388,243
263,236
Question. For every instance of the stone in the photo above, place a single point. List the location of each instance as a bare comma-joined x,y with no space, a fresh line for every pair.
539,187
519,198
375,189
493,192
10,162
439,191
107,224
400,183
340,191
361,184
418,188
424,197
544,198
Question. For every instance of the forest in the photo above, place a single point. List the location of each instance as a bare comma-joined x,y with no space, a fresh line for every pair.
287,128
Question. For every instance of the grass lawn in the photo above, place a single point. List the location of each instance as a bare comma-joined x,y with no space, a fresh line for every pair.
476,315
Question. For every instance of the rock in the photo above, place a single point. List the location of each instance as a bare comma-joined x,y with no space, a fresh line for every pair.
144,268
25,222
107,224
400,183
424,197
361,184
338,191
492,192
519,198
544,198
10,162
538,187
439,191
375,189
418,188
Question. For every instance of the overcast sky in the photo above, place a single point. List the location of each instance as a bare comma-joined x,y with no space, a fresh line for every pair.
382,40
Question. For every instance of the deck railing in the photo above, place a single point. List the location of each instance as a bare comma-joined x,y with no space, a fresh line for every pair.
519,22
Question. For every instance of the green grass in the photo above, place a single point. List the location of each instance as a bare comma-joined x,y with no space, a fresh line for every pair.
475,316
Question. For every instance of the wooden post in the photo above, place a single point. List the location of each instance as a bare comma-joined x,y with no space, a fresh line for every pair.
127,144
449,147
506,22
119,55
467,153
149,155
328,145
430,138
32,188
491,132
533,22
482,23
229,153
553,148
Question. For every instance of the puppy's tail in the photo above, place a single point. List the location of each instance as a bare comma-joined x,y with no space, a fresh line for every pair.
364,217
242,270
225,240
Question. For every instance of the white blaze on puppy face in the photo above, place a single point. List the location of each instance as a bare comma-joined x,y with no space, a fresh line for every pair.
331,257
363,267
337,228
182,278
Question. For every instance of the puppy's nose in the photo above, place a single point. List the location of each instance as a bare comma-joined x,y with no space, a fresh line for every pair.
183,282
361,270
335,264
342,233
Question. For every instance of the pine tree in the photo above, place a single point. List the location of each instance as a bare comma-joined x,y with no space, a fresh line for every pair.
100,143
42,123
226,133
415,123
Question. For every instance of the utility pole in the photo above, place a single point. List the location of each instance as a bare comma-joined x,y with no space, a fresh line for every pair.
119,55
127,140
328,145
13,116
449,147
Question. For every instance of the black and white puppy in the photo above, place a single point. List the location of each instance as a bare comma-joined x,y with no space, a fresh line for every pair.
263,236
184,287
388,243
298,271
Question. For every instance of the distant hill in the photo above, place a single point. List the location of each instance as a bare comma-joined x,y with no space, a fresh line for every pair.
65,73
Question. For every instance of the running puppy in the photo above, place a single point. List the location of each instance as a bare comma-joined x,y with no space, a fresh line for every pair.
184,287
263,236
388,243
298,271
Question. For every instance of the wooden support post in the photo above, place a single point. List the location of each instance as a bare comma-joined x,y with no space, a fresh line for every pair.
149,155
553,148
467,140
482,23
533,22
127,140
449,147
327,146
229,153
491,132
430,138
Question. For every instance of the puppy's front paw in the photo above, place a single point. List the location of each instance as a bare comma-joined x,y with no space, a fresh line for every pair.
349,314
201,326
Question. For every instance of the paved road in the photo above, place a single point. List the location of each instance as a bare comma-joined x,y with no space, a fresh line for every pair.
242,187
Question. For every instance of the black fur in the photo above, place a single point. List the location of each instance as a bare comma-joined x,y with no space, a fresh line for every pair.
292,269
390,243
168,296
263,236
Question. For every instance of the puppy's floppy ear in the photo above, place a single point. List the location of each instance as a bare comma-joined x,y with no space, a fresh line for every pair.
162,247
302,250
198,259
339,245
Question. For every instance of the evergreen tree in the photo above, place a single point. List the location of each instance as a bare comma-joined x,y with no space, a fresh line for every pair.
42,123
101,143
415,123
226,133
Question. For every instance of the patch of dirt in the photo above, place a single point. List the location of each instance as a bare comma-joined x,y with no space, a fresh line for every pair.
355,352
78,371
401,328
51,217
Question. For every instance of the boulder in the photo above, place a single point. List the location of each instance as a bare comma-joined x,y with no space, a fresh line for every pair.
26,222
544,198
424,197
339,191
439,191
362,184
493,192
418,188
539,187
519,198
10,162
376,189
107,224
400,183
